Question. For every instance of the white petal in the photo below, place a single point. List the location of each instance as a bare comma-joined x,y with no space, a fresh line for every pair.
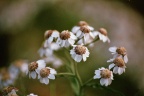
33,74
51,76
55,34
72,51
113,49
73,36
109,81
78,58
71,41
78,34
97,72
63,43
84,57
52,71
41,80
120,70
75,29
125,58
50,39
106,82
102,81
91,28
97,76
46,80
111,60
111,65
115,70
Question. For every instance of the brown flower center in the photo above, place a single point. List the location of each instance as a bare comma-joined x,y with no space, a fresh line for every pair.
5,74
119,62
65,35
82,23
79,49
105,73
84,29
44,72
103,31
32,66
121,51
48,33
8,90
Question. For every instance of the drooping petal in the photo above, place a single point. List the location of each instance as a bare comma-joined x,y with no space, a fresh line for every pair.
46,80
51,76
111,65
78,58
33,74
102,81
112,49
115,70
125,58
120,70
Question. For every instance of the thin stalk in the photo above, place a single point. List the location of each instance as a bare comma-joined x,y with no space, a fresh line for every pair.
65,74
87,81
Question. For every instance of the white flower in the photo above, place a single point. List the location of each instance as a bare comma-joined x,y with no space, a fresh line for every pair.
119,52
50,35
10,91
102,35
66,38
118,64
56,62
105,76
84,31
35,67
31,94
45,74
79,52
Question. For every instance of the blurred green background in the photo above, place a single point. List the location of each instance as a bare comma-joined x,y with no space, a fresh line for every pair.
23,23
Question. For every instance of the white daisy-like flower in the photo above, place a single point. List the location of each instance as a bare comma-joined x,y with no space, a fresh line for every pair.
105,76
35,67
66,38
45,74
79,52
102,35
10,91
50,35
84,32
118,64
55,61
31,94
119,52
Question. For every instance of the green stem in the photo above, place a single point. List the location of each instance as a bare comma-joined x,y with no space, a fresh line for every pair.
65,74
77,74
92,42
87,81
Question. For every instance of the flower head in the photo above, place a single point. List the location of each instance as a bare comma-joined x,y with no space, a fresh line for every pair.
84,31
10,91
45,74
35,67
50,35
102,35
105,74
118,64
119,52
66,38
31,94
79,52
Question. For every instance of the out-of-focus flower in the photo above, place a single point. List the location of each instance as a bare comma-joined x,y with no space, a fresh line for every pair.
10,91
50,35
102,35
18,66
79,52
56,62
119,52
105,74
45,74
66,38
6,78
31,94
84,32
35,67
118,64
47,49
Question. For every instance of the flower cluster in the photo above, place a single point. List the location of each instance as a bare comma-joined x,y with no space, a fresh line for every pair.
118,64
